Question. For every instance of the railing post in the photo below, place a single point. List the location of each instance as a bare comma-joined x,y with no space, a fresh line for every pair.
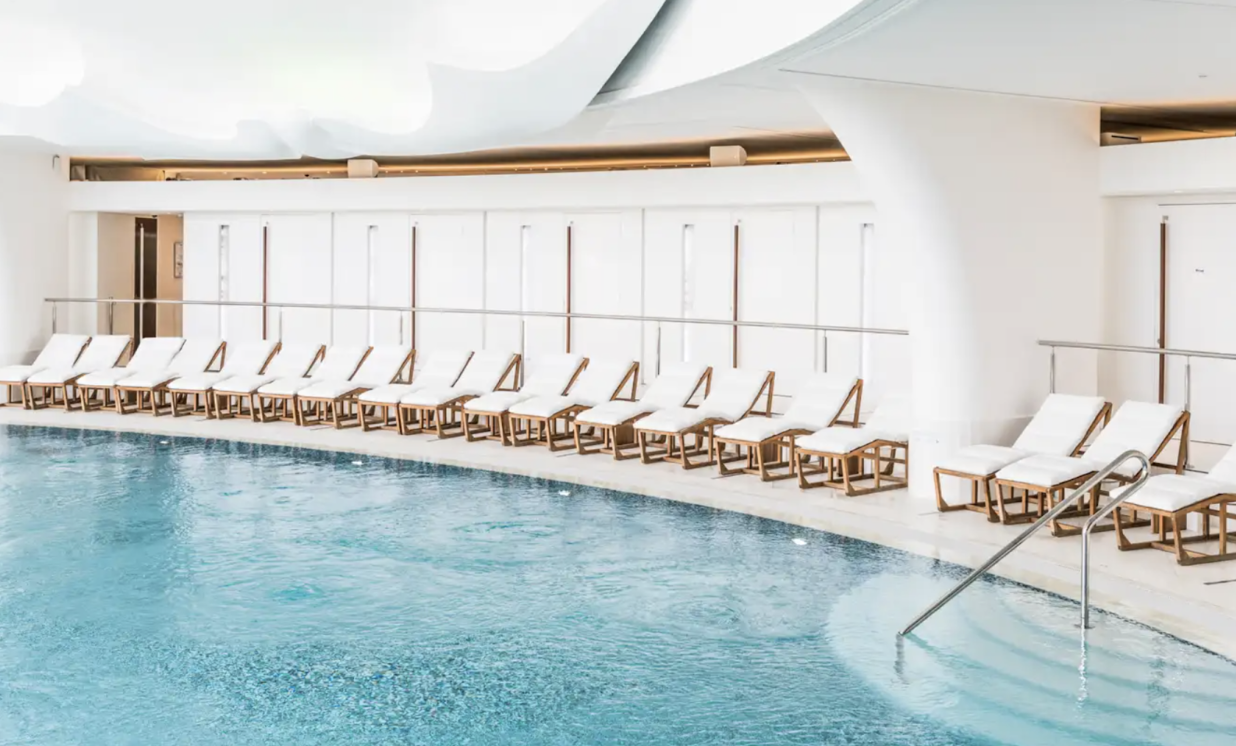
111,316
1051,382
280,337
1188,383
401,328
825,350
523,342
53,317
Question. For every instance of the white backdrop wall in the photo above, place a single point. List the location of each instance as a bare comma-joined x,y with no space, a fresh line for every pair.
1200,307
796,264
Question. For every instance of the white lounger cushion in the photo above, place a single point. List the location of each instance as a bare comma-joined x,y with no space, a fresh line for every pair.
441,370
982,460
673,388
1173,492
293,361
380,368
733,393
890,422
194,357
756,429
153,354
1137,426
244,359
814,408
614,413
483,374
496,402
101,354
597,384
1056,429
338,365
61,351
550,377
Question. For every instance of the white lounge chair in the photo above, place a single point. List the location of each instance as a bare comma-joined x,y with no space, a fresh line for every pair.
842,453
196,356
61,351
277,400
769,441
1171,498
234,393
102,353
734,394
1061,427
336,399
441,370
610,427
194,390
153,354
549,375
442,407
600,382
1044,480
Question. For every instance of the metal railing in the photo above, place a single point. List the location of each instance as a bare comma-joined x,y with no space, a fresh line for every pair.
1048,517
825,329
1188,356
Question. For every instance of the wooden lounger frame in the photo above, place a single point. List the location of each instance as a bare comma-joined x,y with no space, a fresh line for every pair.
842,470
619,440
157,396
672,446
1044,498
198,401
985,505
541,430
384,416
446,420
230,404
48,391
1175,522
283,407
497,425
764,457
343,411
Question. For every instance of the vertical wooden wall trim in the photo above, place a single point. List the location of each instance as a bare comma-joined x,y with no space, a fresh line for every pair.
266,281
568,288
1162,307
734,344
412,321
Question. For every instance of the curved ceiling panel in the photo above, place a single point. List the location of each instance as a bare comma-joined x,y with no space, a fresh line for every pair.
285,78
696,39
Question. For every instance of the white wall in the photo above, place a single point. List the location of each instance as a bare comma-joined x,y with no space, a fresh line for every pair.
642,243
34,240
1201,270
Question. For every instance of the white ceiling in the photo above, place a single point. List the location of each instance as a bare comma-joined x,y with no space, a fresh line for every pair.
286,78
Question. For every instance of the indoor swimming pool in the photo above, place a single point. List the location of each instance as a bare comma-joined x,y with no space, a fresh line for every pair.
162,590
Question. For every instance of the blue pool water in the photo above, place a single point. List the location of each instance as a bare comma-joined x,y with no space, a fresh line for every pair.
175,591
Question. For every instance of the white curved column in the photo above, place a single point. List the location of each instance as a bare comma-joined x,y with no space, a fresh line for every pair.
994,200
34,234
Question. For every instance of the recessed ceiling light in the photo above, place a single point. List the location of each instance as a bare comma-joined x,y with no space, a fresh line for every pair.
1203,75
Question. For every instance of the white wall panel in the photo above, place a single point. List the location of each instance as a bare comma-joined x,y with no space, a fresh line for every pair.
300,267
450,272
607,278
223,261
1201,272
777,278
372,260
688,273
525,269
840,284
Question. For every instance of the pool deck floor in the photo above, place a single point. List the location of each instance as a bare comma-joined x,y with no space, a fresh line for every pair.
1195,603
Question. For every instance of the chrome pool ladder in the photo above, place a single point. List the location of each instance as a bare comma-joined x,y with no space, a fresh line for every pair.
1048,517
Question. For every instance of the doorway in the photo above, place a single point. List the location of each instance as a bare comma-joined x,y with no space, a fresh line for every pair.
146,276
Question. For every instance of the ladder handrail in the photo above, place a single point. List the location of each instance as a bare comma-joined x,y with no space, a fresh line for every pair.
1103,512
1047,517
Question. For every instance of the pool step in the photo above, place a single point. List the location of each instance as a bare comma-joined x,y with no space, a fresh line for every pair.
1008,663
